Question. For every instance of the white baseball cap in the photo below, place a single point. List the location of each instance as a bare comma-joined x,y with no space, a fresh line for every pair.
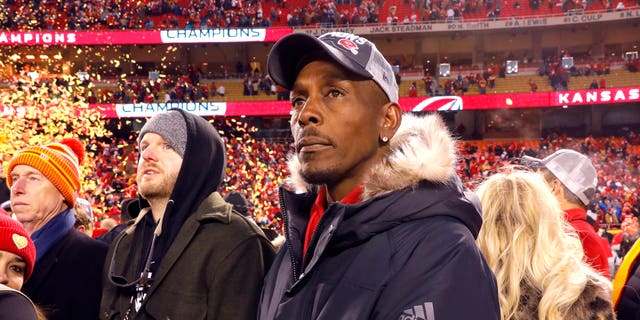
573,169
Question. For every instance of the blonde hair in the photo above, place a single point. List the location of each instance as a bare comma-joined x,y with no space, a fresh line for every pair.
82,217
528,244
108,223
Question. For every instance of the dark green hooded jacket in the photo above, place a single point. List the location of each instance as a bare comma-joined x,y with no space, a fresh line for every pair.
208,262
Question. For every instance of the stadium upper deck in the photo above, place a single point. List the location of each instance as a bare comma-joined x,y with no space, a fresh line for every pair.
195,14
594,39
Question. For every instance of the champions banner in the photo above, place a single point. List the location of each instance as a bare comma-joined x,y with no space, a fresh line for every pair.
559,99
134,37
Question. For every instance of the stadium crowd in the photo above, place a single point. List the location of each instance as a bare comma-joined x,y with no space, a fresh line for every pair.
196,14
257,167
194,85
617,160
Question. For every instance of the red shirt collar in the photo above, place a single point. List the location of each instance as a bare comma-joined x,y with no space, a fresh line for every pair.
575,213
318,208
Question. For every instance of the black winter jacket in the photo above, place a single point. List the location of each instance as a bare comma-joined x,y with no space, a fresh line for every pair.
629,304
406,252
67,282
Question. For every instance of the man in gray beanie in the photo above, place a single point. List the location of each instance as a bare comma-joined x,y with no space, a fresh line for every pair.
187,255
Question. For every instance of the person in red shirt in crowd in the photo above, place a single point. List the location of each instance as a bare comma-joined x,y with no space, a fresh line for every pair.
214,89
603,83
533,86
573,180
483,86
149,98
413,90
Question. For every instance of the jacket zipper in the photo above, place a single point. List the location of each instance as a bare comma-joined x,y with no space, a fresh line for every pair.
315,238
294,263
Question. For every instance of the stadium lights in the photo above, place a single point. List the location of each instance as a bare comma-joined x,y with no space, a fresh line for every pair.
44,57
567,62
34,75
154,75
512,66
58,57
445,70
30,56
82,75
15,57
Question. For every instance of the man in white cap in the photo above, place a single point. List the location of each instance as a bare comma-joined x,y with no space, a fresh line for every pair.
573,180
377,222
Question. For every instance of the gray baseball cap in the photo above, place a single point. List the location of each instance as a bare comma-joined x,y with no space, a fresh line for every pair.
351,51
573,169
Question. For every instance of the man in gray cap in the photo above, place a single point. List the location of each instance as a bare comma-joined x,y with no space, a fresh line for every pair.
573,180
188,254
378,224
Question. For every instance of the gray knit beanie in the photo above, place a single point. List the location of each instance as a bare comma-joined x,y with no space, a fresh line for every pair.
169,125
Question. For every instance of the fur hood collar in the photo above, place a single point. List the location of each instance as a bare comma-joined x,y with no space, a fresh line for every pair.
593,303
421,149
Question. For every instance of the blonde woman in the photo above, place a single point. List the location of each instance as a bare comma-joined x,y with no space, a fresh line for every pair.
534,253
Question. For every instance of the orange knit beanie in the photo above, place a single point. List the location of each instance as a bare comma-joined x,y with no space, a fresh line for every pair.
58,161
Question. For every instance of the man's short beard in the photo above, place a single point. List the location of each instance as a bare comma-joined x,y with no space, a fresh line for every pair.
327,176
161,191
154,194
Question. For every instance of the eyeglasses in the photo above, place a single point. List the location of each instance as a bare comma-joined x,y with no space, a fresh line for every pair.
145,276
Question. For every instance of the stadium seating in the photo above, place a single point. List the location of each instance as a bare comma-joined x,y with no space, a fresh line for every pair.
66,14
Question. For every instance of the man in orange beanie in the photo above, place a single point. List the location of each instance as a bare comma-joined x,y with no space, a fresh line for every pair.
44,182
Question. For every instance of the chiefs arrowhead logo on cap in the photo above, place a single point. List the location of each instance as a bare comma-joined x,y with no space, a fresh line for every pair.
20,241
349,45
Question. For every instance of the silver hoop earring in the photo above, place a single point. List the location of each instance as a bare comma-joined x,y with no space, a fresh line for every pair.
385,139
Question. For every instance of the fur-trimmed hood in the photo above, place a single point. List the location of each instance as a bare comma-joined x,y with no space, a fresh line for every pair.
414,181
593,303
421,149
